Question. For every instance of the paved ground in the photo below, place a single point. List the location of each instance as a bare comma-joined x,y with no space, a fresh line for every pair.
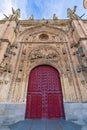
11,113
45,125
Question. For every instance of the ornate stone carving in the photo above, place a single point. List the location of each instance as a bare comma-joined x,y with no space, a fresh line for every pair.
14,16
43,36
36,54
5,66
14,45
64,51
78,68
80,52
43,53
84,63
32,34
31,17
51,55
71,13
55,17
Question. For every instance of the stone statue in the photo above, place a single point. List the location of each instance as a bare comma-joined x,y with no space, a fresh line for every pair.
84,62
71,13
14,16
55,17
31,17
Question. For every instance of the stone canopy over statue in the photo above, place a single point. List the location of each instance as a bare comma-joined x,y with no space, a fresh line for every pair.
14,16
71,13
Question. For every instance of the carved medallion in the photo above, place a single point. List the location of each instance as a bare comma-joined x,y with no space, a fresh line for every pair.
43,36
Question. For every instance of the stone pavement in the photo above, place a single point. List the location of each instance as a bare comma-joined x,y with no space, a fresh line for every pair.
42,124
12,113
45,124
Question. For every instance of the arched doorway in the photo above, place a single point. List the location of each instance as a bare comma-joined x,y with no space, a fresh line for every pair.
44,94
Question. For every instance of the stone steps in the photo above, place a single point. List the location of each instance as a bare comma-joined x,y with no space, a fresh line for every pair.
4,128
38,124
5,122
11,113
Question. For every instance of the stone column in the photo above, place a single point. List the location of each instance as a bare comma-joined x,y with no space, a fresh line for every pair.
80,34
6,37
3,50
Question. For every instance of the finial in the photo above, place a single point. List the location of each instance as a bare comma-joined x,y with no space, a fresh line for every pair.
14,16
71,13
55,17
31,17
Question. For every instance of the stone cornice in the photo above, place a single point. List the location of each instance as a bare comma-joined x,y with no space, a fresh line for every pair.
34,22
58,22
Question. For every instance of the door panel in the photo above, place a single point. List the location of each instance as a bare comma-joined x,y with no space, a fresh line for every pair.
44,96
55,106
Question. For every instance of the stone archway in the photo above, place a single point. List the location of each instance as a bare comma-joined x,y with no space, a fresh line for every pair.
44,94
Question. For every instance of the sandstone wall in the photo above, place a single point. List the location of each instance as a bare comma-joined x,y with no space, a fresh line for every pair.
61,44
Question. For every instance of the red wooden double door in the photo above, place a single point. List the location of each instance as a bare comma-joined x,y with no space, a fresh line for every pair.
44,95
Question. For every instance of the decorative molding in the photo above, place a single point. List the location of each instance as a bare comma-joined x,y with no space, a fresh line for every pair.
5,40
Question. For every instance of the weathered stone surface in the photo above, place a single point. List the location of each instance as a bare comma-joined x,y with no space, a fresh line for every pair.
4,128
84,127
75,112
39,42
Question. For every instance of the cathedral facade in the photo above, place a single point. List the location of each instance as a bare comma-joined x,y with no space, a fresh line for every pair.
27,47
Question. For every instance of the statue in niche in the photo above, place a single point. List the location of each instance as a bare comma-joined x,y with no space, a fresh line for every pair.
71,13
80,52
55,17
84,62
14,16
